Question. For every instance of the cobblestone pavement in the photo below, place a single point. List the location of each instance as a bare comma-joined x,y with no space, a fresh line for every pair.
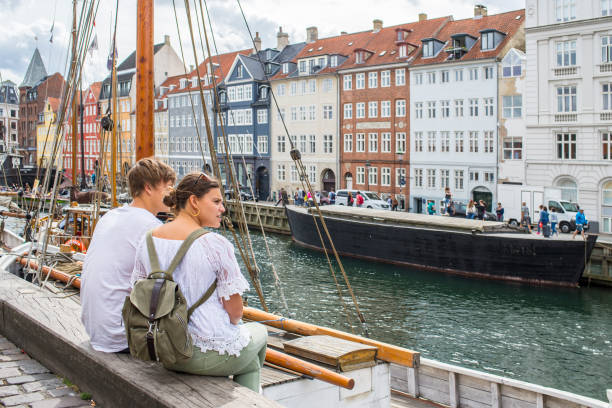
25,383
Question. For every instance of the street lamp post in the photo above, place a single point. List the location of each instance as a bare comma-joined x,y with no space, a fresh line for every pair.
402,179
367,164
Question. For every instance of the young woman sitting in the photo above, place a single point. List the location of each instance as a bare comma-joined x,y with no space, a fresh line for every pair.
222,345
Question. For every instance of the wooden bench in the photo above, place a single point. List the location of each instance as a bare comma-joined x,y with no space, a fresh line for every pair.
48,327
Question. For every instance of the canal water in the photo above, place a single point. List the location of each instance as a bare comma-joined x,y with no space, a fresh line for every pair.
555,337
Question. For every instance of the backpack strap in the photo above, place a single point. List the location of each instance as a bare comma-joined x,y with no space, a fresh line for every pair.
203,299
183,250
153,259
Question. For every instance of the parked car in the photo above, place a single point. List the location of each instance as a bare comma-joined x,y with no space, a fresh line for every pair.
370,199
460,211
245,193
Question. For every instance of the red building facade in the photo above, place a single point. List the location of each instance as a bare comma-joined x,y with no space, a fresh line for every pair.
375,108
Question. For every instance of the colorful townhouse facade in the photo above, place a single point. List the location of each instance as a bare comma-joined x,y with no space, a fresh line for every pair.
34,90
454,108
9,116
46,133
569,102
374,107
160,125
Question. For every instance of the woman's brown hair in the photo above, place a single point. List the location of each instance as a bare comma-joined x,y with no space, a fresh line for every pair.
197,184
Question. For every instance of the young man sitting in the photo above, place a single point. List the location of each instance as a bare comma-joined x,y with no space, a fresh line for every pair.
109,262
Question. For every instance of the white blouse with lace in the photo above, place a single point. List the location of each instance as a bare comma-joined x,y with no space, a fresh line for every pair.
210,256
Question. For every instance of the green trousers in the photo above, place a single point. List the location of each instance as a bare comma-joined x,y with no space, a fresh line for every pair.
245,368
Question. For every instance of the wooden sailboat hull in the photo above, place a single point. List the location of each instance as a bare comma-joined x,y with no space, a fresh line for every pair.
511,257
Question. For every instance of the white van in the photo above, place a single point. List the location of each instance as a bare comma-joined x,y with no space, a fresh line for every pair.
370,199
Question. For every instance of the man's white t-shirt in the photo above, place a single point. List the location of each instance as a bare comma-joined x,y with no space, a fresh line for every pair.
105,281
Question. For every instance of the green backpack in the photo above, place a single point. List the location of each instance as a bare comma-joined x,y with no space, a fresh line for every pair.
156,315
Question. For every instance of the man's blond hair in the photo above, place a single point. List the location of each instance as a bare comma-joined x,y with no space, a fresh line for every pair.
148,171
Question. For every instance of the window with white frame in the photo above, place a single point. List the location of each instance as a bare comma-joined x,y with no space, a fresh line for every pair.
445,108
293,88
360,110
262,116
606,7
513,148
565,10
385,79
431,142
280,143
458,75
444,178
385,142
328,146
334,61
444,76
431,109
312,173
372,142
606,48
373,109
400,107
281,172
360,142
303,143
428,49
327,84
458,108
606,93
566,53
403,52
566,99
360,175
327,112
473,107
348,111
294,173
473,142
488,106
372,79
348,143
400,142
488,72
312,86
385,176
489,177
488,141
373,175
458,179
418,177
312,112
347,81
385,109
445,142
474,176
302,111
566,146
418,141
512,106
606,141
431,77
487,41
360,81
473,74
511,65
262,144
312,143
418,78
294,113
431,178
400,76
418,110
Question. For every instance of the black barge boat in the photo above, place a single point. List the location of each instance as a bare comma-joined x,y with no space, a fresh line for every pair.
473,248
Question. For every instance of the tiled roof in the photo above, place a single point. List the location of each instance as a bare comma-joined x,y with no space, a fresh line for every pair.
507,23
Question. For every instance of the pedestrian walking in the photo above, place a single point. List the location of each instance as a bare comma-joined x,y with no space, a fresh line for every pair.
470,210
539,223
481,207
359,199
349,199
431,208
544,219
525,217
394,204
499,211
282,197
554,219
332,196
309,199
447,199
581,223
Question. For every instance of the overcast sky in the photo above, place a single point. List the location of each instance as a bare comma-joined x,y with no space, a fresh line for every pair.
26,20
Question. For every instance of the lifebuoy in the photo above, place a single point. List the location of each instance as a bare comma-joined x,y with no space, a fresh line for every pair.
77,245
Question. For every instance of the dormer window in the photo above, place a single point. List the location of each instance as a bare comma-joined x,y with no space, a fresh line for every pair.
490,39
362,55
268,68
172,86
461,44
222,97
334,61
403,51
401,34
428,49
286,68
239,71
263,92
321,62
183,82
194,82
302,67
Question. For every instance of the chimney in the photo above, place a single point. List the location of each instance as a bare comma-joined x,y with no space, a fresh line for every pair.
257,42
282,39
343,33
167,39
377,25
480,11
422,16
312,34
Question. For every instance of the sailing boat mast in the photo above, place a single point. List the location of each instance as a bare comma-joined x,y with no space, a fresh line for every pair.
82,112
74,101
144,80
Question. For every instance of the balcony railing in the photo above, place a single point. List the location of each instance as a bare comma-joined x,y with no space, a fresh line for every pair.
605,116
605,67
566,117
565,71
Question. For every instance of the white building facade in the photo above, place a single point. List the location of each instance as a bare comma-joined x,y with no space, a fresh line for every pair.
568,102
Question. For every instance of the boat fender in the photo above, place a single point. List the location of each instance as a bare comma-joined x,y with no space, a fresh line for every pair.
77,245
